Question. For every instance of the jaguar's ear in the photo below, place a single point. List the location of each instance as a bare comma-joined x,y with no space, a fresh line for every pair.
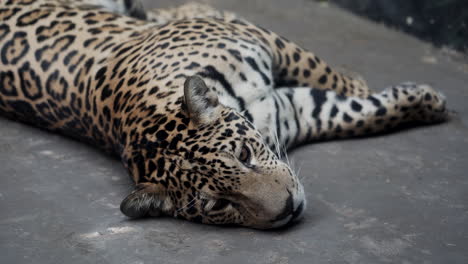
201,102
145,200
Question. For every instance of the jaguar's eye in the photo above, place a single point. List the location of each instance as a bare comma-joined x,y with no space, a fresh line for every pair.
245,155
220,204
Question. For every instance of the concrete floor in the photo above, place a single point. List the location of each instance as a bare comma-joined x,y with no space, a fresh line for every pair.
398,198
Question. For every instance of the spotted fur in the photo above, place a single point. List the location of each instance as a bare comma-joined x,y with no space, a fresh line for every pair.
196,102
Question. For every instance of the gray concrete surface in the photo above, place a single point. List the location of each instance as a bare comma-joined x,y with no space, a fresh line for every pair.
398,198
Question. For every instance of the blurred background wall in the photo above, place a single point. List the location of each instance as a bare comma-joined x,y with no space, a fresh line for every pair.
443,22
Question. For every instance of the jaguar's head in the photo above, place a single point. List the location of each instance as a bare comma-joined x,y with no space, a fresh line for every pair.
219,171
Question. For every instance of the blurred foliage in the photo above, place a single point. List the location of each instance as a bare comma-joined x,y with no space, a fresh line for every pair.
443,22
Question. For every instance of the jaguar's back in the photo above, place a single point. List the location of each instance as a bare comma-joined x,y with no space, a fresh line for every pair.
53,56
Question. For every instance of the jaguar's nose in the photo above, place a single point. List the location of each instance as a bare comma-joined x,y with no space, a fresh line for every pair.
291,211
287,210
298,211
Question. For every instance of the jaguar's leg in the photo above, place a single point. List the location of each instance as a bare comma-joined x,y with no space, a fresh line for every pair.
187,11
294,66
133,8
300,115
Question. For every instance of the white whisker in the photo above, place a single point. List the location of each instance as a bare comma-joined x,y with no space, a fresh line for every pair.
276,143
298,173
187,205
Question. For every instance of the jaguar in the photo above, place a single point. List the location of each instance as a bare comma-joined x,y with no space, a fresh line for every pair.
198,104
